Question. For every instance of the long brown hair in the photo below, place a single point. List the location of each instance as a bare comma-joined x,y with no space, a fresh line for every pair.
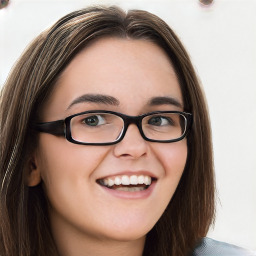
25,229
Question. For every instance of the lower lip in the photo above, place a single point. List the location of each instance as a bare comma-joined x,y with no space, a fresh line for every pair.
131,195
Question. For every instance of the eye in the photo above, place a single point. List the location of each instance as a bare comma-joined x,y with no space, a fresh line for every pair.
94,120
160,121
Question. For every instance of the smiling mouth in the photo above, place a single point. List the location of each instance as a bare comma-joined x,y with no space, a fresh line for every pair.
133,183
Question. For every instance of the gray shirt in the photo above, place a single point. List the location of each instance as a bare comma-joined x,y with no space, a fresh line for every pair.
210,247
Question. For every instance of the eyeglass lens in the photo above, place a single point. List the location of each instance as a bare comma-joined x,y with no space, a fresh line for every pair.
106,127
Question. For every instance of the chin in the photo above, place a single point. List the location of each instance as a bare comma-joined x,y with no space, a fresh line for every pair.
127,236
129,232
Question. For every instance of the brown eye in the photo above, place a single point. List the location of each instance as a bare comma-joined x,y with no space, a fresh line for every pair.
160,121
3,3
94,120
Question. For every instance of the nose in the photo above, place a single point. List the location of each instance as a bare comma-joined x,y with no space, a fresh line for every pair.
132,145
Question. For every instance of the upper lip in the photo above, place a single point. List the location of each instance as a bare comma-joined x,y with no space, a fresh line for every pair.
129,173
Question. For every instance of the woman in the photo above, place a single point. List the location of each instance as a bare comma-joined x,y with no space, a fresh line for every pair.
105,143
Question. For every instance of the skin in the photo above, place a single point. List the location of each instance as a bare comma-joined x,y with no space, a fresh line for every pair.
85,219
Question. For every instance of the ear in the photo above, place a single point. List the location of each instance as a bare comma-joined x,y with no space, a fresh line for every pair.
33,174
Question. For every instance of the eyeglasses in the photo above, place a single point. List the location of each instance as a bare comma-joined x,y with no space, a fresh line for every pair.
103,127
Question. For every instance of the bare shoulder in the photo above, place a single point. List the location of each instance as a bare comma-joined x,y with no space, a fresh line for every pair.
210,247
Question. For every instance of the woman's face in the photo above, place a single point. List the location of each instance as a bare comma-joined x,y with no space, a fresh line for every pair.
139,78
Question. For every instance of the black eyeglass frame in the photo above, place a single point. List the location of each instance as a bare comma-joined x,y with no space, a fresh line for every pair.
63,128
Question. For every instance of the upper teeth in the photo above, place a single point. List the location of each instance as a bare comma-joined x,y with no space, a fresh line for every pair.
127,180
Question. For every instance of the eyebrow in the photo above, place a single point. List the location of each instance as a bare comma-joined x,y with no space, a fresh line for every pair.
109,100
95,98
165,100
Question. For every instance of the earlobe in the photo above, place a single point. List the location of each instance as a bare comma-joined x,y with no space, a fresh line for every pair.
33,175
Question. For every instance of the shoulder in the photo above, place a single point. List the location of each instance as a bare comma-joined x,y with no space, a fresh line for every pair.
210,247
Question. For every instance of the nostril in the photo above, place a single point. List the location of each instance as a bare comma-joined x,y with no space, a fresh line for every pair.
206,2
133,148
132,145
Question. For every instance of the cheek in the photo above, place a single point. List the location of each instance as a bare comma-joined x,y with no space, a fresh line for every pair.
63,164
173,157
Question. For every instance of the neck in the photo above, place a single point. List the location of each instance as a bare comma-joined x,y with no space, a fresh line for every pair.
100,247
103,248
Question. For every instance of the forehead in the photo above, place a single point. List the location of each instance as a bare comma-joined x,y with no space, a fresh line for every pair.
130,70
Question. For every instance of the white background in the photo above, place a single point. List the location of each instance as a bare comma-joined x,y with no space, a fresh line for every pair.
221,40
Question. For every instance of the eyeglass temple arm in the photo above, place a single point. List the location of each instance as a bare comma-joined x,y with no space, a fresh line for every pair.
56,127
